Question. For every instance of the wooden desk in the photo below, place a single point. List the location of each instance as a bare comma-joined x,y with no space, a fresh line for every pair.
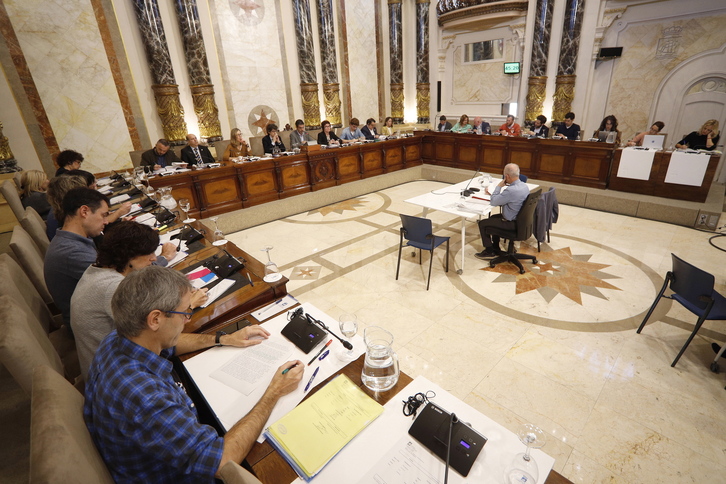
655,185
580,163
239,185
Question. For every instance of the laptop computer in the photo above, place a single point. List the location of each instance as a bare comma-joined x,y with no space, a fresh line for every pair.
602,136
653,141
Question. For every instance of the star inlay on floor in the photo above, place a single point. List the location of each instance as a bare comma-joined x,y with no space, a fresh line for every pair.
350,205
556,272
307,273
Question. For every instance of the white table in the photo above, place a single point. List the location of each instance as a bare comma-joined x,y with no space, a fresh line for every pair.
446,200
382,438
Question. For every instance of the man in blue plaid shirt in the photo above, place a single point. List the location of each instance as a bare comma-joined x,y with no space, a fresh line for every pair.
143,424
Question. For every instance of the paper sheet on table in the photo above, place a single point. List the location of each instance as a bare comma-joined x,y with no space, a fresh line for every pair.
102,182
687,168
274,308
201,277
407,462
119,198
246,370
146,219
218,290
105,190
230,405
317,429
180,256
478,207
166,237
636,164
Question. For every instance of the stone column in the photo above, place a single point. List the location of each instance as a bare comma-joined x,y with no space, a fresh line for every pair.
565,82
331,88
306,63
423,87
538,66
201,83
166,90
396,54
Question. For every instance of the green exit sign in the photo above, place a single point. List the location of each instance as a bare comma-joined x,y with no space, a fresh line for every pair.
512,67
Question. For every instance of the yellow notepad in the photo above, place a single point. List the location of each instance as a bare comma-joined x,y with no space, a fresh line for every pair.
317,429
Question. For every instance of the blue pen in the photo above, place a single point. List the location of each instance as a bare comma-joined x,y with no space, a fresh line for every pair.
322,357
307,387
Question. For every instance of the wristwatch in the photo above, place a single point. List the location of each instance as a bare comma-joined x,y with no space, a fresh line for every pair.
218,337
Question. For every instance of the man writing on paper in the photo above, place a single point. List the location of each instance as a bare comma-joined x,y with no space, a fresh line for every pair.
511,201
144,425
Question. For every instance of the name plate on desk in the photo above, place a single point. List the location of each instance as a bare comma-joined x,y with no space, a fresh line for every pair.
687,168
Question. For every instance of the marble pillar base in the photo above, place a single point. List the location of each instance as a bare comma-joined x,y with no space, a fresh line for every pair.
331,93
171,112
397,102
207,112
535,97
564,94
423,102
311,104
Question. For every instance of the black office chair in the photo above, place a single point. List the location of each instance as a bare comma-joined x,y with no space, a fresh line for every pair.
418,233
693,289
523,231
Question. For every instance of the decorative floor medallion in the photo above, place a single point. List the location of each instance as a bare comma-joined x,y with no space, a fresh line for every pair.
351,205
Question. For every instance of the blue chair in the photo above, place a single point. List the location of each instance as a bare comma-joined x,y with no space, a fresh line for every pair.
693,289
418,233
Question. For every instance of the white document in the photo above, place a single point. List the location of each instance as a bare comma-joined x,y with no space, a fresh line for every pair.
146,219
407,462
686,168
231,405
218,290
164,238
248,368
636,164
119,198
274,308
106,190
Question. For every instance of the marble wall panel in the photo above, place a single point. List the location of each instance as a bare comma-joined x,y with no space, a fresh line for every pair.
482,82
631,90
66,57
252,69
362,58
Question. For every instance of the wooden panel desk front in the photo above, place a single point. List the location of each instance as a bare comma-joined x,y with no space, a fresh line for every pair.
655,185
580,163
234,186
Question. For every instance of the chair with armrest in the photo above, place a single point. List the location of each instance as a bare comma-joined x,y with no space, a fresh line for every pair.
61,448
693,289
10,191
256,148
418,233
31,260
34,225
219,147
20,288
523,231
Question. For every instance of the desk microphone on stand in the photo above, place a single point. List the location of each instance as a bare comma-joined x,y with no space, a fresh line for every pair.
452,421
467,192
346,344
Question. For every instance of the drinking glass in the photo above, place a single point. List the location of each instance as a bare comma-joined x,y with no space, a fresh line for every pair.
348,324
272,273
218,237
523,468
185,205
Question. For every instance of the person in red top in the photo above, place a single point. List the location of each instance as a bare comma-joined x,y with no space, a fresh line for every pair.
510,128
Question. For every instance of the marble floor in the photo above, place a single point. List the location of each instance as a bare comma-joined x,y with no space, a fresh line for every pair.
555,347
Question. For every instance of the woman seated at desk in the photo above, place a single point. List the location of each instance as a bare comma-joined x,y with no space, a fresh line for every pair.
327,136
387,128
34,185
608,124
237,146
655,129
705,139
463,125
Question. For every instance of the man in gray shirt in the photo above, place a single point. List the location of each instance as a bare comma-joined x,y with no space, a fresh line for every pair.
299,137
72,249
511,201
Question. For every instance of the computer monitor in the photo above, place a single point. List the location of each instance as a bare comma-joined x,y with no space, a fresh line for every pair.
653,141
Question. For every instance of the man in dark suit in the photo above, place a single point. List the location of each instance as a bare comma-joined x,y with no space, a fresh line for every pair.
568,129
194,153
444,125
160,156
369,130
540,130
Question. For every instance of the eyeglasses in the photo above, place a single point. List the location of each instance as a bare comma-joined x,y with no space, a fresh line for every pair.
188,315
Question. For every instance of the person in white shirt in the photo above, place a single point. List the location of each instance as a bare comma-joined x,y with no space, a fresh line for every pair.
352,132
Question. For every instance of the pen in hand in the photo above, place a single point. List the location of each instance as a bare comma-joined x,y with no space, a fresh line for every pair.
288,369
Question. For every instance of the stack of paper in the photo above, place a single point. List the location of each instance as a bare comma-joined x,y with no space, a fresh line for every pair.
316,430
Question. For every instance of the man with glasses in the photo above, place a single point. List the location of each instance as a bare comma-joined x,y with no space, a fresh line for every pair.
144,425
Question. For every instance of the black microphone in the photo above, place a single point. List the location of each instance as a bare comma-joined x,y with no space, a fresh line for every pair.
452,421
346,344
469,191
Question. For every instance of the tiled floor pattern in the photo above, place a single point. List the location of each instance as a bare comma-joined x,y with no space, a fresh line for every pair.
555,347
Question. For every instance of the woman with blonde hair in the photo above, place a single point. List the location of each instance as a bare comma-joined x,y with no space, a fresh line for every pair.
704,139
463,125
237,146
34,184
387,128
